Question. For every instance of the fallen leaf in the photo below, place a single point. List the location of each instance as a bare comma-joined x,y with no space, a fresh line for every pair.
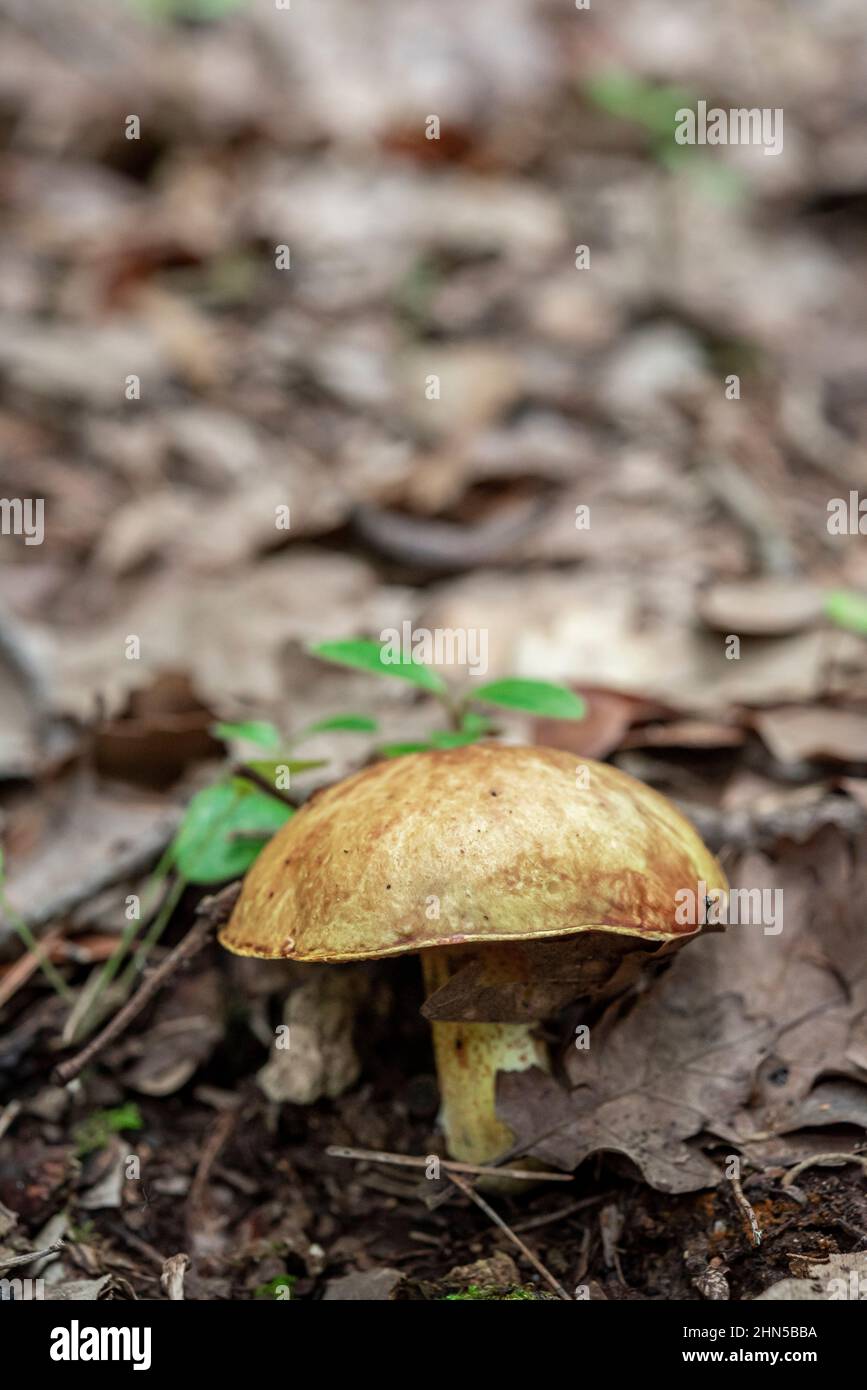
798,733
763,607
743,1025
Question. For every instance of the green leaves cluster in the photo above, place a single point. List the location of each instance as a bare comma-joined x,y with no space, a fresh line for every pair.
541,698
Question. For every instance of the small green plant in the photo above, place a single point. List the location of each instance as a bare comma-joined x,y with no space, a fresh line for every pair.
279,1288
468,725
847,609
95,1132
202,10
654,108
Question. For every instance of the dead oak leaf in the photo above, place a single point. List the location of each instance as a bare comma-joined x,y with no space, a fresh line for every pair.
744,1023
644,1086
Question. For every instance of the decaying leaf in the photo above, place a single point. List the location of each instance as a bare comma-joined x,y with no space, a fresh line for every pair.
733,1038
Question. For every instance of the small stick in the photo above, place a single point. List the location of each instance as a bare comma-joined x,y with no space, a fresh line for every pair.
220,1132
534,1222
9,1115
210,912
799,1168
747,1212
494,1216
250,773
408,1161
13,1261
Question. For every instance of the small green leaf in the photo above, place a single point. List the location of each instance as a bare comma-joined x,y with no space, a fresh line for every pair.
373,656
342,723
253,730
847,609
537,697
448,738
269,770
399,750
204,850
95,1132
632,99
478,724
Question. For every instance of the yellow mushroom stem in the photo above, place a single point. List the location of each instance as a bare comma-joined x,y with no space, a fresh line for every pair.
468,1057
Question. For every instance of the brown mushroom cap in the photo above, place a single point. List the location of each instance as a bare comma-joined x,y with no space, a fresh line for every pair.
499,838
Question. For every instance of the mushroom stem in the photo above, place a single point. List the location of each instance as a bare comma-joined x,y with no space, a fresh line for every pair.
468,1057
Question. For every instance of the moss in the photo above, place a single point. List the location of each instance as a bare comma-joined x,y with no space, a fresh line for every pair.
278,1289
475,1293
95,1132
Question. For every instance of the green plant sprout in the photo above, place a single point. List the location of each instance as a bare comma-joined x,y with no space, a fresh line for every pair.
95,1132
542,698
654,108
847,609
279,1288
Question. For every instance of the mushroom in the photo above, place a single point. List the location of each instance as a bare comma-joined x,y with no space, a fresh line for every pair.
488,860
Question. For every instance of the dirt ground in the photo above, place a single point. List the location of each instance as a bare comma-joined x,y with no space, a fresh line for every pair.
316,322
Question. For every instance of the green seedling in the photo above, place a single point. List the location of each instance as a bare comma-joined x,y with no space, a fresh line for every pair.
95,1132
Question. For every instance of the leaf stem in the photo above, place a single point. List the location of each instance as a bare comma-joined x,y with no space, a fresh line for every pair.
19,925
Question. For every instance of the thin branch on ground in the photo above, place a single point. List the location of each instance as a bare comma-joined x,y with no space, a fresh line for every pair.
469,1191
15,1261
750,1218
409,1161
835,1158
211,1150
211,913
250,773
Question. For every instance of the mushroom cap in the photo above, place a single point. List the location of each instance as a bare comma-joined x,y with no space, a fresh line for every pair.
487,842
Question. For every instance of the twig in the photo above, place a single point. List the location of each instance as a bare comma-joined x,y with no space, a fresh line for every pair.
210,912
408,1161
21,970
799,1168
752,1221
38,956
13,1261
223,1127
245,770
9,1115
498,1221
534,1222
